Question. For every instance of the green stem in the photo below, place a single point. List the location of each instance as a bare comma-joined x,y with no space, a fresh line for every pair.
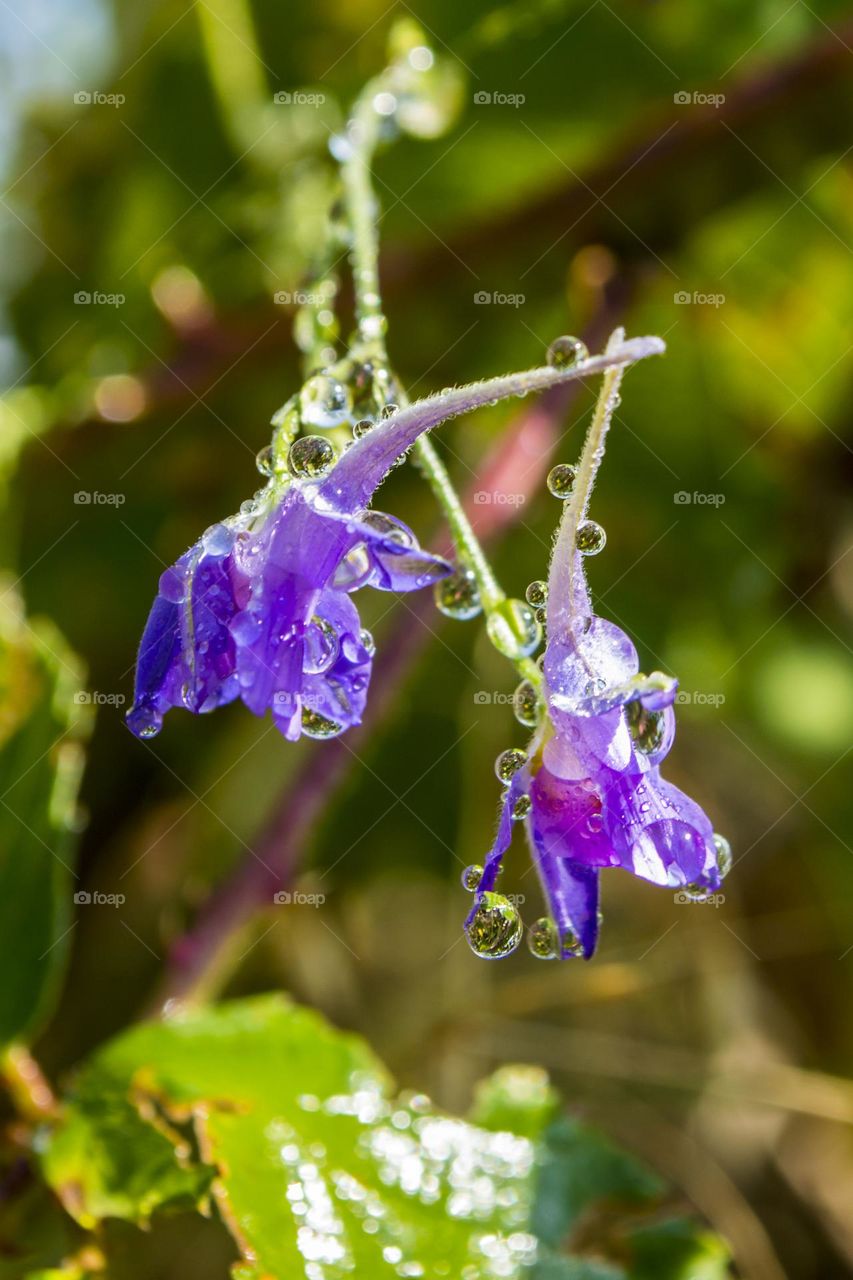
565,559
362,138
32,1095
466,541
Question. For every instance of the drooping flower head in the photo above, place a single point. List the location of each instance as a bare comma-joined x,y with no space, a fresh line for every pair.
260,607
589,788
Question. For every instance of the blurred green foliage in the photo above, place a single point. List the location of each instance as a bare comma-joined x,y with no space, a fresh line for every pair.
321,1168
698,1035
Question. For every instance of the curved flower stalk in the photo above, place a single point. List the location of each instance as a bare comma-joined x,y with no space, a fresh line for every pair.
260,607
589,789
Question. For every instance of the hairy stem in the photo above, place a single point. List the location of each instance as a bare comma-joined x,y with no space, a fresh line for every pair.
362,138
565,577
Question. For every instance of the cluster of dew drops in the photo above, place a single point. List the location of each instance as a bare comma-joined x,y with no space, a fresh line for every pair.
344,399
495,928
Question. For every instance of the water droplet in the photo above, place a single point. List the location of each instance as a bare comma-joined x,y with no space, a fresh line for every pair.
570,944
525,704
566,351
324,401
514,630
249,507
521,808
647,728
537,593
384,104
509,762
264,460
321,646
310,457
495,929
367,642
561,480
724,854
316,726
542,939
458,596
698,892
361,428
340,147
590,538
389,410
353,569
372,327
471,877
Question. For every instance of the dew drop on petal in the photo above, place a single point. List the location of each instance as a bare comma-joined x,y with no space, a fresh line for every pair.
509,762
389,410
566,351
647,728
321,646
310,457
561,480
316,726
724,854
591,538
388,527
367,642
324,402
264,460
570,944
521,808
457,596
542,940
471,877
362,427
495,929
525,704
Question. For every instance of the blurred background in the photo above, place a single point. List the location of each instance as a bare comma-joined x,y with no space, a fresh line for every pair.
678,167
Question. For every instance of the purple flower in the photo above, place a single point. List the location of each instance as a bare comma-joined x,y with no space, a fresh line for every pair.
589,789
260,607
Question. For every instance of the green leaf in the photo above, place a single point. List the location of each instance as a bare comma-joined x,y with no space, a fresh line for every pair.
580,1169
115,1157
42,727
312,1157
520,1099
677,1250
35,1235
